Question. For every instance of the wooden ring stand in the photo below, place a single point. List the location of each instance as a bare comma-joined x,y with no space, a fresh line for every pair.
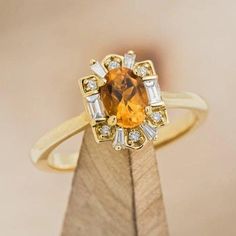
115,193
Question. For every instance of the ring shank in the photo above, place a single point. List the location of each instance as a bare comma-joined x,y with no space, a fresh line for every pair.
197,111
43,156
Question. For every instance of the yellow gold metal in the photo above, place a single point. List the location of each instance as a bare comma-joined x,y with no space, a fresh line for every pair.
150,77
161,109
85,80
92,62
131,52
140,143
43,157
148,64
112,120
111,57
117,148
97,131
148,110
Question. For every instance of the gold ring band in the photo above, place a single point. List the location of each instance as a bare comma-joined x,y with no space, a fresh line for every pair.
43,156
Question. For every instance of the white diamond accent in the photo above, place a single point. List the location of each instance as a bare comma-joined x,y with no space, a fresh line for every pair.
113,65
129,60
142,71
119,140
105,130
153,91
150,131
91,85
156,116
98,69
95,107
134,136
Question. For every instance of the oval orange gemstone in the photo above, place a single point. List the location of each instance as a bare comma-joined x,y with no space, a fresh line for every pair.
124,96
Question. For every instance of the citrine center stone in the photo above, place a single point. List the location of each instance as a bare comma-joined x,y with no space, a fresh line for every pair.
125,97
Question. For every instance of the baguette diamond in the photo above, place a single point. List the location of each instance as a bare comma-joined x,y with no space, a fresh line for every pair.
98,69
95,107
129,60
119,140
149,131
153,91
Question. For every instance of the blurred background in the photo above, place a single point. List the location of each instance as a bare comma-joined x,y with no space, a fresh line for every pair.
45,46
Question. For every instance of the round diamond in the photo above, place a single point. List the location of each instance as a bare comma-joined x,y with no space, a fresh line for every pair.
156,116
142,71
134,136
113,65
105,130
91,85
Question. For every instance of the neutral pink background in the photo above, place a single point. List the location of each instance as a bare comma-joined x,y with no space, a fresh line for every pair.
45,46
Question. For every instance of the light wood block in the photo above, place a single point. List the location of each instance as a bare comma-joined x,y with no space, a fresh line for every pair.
115,193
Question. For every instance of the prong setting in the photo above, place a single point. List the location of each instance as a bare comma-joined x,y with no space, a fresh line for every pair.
113,65
134,136
148,110
105,131
89,85
144,68
142,71
156,116
112,120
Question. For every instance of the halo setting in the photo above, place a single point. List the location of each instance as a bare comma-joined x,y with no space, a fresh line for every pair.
123,100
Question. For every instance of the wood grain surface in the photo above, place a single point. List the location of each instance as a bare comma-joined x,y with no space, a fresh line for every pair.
115,193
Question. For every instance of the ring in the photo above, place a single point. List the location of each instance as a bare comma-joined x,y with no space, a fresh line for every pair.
125,106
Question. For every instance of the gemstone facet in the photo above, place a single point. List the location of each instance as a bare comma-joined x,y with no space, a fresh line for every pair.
150,131
156,116
153,91
105,130
134,136
113,65
129,60
119,140
95,107
142,71
98,69
91,85
124,96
